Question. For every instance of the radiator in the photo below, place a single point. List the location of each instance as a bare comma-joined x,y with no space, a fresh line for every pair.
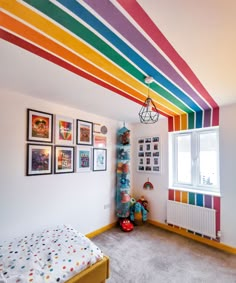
195,218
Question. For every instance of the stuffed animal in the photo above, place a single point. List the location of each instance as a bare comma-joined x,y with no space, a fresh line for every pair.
123,154
124,181
139,211
125,197
123,168
125,137
143,202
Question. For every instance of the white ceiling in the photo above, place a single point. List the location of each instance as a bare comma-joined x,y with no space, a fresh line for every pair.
203,33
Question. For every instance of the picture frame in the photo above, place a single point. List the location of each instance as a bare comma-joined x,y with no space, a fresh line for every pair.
84,132
39,159
64,130
99,141
83,159
149,154
63,159
39,126
99,159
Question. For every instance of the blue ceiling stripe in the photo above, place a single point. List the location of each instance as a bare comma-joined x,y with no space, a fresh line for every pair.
199,119
86,16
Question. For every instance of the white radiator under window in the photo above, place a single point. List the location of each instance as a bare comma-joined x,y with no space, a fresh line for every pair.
192,217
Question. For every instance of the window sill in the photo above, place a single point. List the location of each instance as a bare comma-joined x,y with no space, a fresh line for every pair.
196,191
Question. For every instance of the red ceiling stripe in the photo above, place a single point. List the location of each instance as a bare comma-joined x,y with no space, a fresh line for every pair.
137,12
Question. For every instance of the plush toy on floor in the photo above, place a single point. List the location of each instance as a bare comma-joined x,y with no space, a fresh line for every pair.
139,211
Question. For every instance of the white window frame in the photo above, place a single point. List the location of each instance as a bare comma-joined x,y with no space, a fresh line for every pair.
194,186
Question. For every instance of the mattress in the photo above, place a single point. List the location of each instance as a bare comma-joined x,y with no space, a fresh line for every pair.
51,255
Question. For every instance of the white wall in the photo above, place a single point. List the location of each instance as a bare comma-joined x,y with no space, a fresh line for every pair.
228,173
31,202
158,196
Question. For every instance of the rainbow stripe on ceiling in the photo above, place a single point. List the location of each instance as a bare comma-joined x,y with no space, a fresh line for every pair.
113,44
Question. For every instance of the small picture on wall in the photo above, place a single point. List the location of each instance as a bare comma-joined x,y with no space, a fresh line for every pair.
63,159
39,126
64,130
84,132
99,159
39,159
141,154
141,140
156,168
141,147
83,159
99,141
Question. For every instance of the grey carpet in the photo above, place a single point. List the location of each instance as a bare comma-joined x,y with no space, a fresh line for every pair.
152,255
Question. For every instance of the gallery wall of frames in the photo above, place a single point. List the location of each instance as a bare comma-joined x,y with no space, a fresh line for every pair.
149,154
58,144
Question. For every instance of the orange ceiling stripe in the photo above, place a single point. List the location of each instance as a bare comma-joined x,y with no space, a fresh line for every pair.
177,123
81,48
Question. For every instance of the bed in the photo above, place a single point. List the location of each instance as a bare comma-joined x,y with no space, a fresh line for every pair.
60,254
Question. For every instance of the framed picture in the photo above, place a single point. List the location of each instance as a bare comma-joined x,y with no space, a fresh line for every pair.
148,154
39,126
99,159
83,159
99,141
84,132
64,130
63,159
39,159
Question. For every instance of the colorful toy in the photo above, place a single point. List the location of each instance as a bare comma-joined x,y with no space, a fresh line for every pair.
126,225
122,167
123,154
125,137
125,197
139,211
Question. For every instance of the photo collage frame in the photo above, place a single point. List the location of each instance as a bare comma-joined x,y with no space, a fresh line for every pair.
58,144
149,155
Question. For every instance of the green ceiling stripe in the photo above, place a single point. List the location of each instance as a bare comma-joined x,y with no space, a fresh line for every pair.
81,31
191,121
157,88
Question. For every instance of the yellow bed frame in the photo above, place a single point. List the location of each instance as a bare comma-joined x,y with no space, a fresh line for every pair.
97,273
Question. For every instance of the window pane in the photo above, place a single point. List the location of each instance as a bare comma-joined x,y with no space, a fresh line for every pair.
184,159
208,159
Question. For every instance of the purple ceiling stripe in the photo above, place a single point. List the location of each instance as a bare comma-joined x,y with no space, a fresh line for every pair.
207,118
116,19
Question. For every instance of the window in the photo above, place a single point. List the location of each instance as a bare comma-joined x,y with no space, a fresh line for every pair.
194,159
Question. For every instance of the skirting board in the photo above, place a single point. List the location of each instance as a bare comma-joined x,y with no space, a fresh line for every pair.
101,230
206,241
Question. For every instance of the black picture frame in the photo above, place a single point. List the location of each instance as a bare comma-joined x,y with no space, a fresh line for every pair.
39,159
84,132
64,159
39,126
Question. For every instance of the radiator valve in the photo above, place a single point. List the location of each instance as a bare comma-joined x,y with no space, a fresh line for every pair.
219,234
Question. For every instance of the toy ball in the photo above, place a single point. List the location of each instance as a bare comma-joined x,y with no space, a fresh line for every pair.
132,201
